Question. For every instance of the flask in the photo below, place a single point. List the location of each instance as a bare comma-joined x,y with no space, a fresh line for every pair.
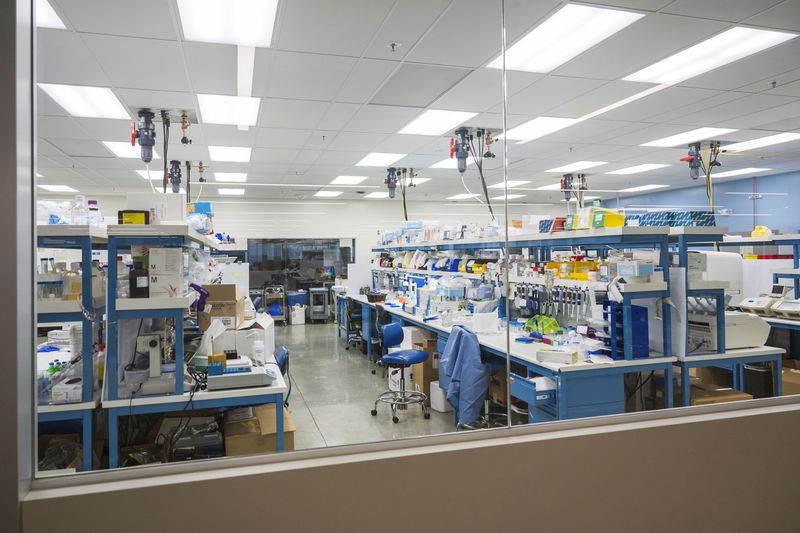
139,281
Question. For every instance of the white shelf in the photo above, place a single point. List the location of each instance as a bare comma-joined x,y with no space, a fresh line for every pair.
68,407
98,234
697,230
160,230
597,285
468,275
232,247
733,354
776,239
702,284
787,271
65,306
629,288
141,304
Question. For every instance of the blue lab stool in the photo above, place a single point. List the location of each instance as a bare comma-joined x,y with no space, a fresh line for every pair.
393,336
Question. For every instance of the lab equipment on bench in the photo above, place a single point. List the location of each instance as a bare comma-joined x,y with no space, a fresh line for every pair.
239,372
762,305
742,330
787,309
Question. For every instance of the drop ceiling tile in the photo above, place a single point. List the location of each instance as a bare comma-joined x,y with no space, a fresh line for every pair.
768,118
77,148
366,78
135,99
418,85
482,89
320,139
61,128
643,5
684,106
101,162
548,93
330,157
788,124
407,22
623,53
62,57
381,119
44,148
407,144
593,100
293,114
101,129
360,142
139,63
724,113
120,17
337,115
280,74
274,155
788,84
212,67
785,16
281,138
729,10
224,135
671,100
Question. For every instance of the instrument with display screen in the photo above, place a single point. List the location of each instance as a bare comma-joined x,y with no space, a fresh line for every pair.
787,309
762,305
742,330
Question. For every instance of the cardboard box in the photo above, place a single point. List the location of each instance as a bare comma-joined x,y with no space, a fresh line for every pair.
241,339
439,398
424,373
163,208
225,302
250,430
791,376
497,388
166,269
704,394
714,375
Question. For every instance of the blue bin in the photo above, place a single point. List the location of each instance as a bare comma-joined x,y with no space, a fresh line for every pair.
296,298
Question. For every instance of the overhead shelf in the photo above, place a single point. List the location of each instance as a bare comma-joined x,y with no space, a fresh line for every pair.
97,234
161,230
64,306
420,272
146,304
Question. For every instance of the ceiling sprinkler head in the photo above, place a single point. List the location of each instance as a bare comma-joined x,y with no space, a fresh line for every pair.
393,46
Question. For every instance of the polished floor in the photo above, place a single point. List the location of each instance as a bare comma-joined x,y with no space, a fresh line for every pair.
333,392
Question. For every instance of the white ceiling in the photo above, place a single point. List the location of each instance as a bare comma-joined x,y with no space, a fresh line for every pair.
331,91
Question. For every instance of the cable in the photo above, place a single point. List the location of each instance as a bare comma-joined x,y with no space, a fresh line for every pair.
147,167
199,193
479,164
642,384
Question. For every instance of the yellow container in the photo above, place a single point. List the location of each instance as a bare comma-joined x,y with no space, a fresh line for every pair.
606,218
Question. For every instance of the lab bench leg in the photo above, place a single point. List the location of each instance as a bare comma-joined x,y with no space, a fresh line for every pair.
777,376
685,385
668,387
113,439
88,417
279,423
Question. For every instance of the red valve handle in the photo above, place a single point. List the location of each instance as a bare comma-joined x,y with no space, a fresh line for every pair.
452,147
133,134
687,158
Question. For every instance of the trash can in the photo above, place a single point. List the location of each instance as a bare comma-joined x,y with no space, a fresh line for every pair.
296,298
297,315
758,379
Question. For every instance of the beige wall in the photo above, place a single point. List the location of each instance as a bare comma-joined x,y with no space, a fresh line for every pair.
733,474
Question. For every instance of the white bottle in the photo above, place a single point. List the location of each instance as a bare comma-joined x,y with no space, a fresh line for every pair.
123,281
258,351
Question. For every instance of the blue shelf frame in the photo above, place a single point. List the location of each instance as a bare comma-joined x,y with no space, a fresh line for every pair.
115,244
114,413
734,364
794,243
85,416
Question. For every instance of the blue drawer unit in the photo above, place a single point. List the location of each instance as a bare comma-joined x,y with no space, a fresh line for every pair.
541,404
594,395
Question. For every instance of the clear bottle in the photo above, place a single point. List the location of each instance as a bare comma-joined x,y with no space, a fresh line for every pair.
73,282
80,211
123,279
258,351
95,218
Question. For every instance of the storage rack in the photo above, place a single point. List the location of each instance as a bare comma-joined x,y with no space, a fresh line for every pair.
122,237
86,239
272,294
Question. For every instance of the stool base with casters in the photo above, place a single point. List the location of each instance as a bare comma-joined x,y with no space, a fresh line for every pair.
401,399
402,359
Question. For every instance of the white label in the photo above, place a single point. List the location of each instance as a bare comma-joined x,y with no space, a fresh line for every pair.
228,321
142,281
207,308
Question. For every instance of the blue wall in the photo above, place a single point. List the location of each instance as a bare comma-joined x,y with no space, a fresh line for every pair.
780,212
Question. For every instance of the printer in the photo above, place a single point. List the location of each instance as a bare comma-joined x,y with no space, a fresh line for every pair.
742,330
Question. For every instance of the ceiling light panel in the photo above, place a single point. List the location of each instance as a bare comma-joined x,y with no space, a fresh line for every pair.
436,122
46,16
380,159
417,181
57,188
762,142
231,192
553,187
642,188
230,177
509,183
232,110
575,167
450,163
348,180
638,169
152,175
328,194
84,101
572,30
240,22
740,172
181,190
539,127
377,195
462,196
700,134
126,150
234,154
727,47
509,197
584,198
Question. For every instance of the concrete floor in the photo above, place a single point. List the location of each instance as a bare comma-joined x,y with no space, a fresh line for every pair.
333,392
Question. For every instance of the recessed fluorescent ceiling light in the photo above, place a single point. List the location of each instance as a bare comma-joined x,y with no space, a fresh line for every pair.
379,159
417,181
761,142
539,127
575,167
700,134
57,188
231,177
572,30
328,194
154,174
348,180
39,175
89,102
710,54
584,198
235,154
638,169
509,197
233,110
181,190
124,149
436,122
641,188
462,196
749,170
46,16
241,22
377,195
510,183
231,192
553,187
450,162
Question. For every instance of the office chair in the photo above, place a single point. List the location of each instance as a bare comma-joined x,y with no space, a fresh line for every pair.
282,360
402,359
